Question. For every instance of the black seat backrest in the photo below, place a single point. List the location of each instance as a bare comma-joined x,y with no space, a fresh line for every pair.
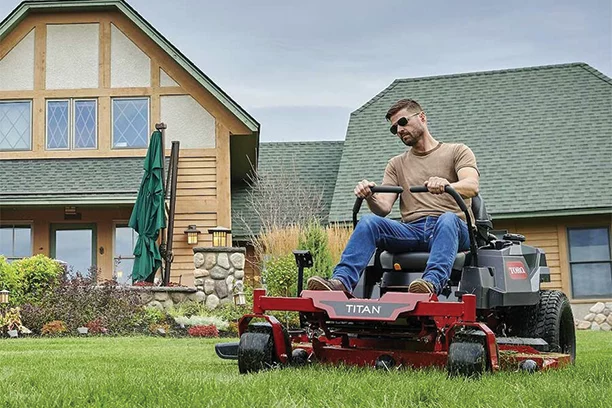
483,221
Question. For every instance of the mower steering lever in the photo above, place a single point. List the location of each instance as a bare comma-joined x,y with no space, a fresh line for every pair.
375,189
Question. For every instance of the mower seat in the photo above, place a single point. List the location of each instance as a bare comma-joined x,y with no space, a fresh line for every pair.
415,261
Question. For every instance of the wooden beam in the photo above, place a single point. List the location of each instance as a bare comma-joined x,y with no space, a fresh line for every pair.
40,56
90,92
224,194
104,59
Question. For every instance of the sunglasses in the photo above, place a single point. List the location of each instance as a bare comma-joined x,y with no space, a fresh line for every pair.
403,121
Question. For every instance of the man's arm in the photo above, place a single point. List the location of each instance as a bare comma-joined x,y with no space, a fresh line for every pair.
467,186
379,204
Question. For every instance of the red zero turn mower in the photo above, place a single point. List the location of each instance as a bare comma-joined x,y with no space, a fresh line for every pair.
492,314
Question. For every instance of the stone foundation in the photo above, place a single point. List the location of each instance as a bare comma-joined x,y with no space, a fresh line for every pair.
598,318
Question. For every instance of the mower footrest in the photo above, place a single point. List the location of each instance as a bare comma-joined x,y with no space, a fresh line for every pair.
227,351
538,344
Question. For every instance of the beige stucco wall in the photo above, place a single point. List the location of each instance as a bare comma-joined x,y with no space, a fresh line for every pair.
72,56
188,122
130,67
17,67
165,79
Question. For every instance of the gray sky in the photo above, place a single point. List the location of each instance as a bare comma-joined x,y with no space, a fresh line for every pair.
301,67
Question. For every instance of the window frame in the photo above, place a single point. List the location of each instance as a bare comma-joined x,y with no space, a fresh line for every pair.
121,224
112,119
603,261
14,224
71,123
30,102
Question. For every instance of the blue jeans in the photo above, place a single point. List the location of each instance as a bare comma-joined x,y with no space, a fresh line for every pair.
441,236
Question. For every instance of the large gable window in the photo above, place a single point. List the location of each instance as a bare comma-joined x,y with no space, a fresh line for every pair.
15,125
130,122
590,262
15,241
72,124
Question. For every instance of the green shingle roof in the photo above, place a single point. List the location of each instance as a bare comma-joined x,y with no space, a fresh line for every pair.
542,137
312,164
62,181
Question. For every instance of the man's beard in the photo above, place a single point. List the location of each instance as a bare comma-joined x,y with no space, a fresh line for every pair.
413,137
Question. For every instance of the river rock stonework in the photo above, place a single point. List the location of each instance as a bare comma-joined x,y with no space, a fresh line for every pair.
219,270
599,318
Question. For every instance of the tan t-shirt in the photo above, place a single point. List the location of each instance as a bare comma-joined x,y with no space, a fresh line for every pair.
414,169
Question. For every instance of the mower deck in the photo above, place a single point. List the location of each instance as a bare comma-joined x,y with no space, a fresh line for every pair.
397,330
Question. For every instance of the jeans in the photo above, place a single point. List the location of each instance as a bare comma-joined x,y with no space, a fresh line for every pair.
441,236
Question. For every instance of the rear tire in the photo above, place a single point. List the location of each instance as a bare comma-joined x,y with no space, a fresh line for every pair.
555,323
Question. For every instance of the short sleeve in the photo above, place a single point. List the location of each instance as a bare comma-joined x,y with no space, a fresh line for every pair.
464,157
390,178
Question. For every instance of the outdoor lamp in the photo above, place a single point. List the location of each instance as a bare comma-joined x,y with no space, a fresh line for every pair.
4,296
192,234
239,298
219,236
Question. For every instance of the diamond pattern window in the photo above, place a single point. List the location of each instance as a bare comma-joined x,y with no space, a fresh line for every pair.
57,124
130,122
16,125
72,124
85,124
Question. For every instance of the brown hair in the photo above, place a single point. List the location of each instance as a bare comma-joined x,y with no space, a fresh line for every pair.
401,104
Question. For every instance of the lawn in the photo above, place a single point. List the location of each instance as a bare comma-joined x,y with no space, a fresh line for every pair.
185,372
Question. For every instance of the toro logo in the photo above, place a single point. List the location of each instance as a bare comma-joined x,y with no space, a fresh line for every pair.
516,270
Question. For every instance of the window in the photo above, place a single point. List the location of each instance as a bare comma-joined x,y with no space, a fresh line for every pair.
590,263
125,242
72,124
15,241
16,125
130,122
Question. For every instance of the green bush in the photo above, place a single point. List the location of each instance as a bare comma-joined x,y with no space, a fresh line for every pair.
280,276
9,280
314,239
37,276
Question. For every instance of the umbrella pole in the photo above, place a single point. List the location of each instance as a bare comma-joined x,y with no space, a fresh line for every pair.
174,158
161,127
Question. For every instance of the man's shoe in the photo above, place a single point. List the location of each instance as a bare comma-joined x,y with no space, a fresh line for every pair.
318,283
421,286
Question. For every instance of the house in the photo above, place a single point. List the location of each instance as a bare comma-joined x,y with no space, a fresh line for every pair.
82,85
543,140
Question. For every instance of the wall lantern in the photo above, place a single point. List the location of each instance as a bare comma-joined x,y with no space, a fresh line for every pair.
239,298
192,234
219,236
4,297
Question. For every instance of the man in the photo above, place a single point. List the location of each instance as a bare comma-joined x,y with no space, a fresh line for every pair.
430,222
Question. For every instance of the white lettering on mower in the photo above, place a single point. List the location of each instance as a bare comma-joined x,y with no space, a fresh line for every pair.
363,309
516,269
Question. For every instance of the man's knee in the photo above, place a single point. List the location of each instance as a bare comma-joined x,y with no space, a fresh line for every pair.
369,221
448,219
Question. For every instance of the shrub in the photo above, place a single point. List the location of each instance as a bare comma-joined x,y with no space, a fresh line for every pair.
54,328
37,276
280,276
11,320
9,280
79,301
314,239
96,327
203,331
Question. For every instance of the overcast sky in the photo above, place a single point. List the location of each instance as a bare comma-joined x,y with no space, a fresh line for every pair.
301,67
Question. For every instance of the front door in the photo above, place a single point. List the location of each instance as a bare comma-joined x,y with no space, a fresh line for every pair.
74,244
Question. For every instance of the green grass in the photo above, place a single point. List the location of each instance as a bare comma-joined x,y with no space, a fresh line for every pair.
185,372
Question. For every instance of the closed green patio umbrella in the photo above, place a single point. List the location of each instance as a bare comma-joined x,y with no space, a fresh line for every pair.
148,215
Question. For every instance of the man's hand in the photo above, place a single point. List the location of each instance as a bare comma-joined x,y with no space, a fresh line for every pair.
436,185
362,190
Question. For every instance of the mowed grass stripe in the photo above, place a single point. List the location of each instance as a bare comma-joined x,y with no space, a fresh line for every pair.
185,372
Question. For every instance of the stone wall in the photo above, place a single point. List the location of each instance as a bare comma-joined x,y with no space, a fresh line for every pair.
219,271
598,318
